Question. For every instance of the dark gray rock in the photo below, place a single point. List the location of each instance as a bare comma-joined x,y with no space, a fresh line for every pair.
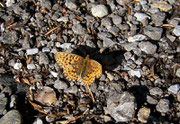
60,85
71,4
9,37
3,103
151,100
158,18
78,29
43,59
153,32
12,117
156,91
45,4
121,106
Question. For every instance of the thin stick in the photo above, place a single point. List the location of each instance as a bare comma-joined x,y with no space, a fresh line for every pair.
90,93
52,30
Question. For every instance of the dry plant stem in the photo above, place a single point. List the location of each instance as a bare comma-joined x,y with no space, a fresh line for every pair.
52,30
90,93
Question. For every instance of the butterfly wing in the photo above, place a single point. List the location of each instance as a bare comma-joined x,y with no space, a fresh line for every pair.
93,70
71,63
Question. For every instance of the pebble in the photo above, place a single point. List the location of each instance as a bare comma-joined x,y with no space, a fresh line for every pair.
127,55
9,37
135,72
99,11
38,121
163,106
158,18
60,85
174,88
63,19
171,37
32,51
176,30
3,103
71,4
9,2
73,90
141,16
45,49
121,106
54,74
151,100
12,117
107,42
162,5
31,66
147,47
117,19
156,91
138,37
178,72
13,103
143,114
43,59
78,29
178,96
153,32
17,66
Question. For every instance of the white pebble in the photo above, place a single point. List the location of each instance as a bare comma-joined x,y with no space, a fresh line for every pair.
174,88
54,73
31,66
136,72
99,11
138,37
18,66
32,51
45,49
141,16
176,30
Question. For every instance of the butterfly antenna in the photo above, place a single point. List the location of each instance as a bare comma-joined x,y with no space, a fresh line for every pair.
90,93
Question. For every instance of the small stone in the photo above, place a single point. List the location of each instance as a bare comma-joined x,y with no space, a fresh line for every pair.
147,47
151,100
78,29
107,42
138,37
63,19
121,106
32,51
12,117
127,55
106,22
45,49
163,106
38,121
13,103
60,85
136,72
178,96
71,4
54,74
110,76
3,103
162,5
18,66
99,11
153,32
43,59
45,4
156,91
66,45
176,30
117,19
174,88
9,37
141,16
31,66
158,18
143,114
121,2
72,90
9,2
171,38
178,72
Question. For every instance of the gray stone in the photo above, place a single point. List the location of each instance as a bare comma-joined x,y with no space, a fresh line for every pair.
138,37
13,102
73,90
147,47
114,30
71,4
107,42
171,38
43,59
121,106
176,30
54,74
122,2
178,96
32,51
63,19
9,37
12,117
162,5
174,88
153,32
163,106
127,55
178,72
151,100
158,18
78,29
31,66
45,49
106,22
60,85
3,103
9,2
141,16
38,121
156,91
45,4
99,11
116,19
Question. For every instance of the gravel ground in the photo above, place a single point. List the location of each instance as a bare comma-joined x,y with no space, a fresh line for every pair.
137,42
